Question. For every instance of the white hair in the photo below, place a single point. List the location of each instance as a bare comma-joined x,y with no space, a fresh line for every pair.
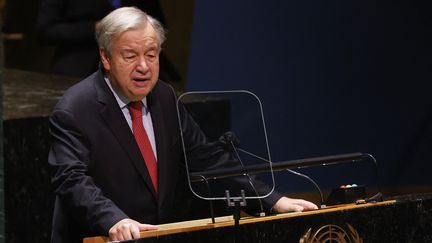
122,20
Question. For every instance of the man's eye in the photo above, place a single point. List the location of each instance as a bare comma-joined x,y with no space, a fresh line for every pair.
151,56
130,57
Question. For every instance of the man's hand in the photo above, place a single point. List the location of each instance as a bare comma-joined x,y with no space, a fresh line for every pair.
285,204
128,229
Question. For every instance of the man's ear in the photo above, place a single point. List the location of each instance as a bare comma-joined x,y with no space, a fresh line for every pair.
105,59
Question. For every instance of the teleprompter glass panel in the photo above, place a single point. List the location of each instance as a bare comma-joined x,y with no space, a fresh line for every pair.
235,160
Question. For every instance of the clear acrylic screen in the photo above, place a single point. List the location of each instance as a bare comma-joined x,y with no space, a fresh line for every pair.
234,124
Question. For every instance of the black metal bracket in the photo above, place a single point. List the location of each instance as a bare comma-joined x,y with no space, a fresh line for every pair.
237,204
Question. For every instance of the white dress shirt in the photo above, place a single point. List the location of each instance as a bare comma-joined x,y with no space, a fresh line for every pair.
146,116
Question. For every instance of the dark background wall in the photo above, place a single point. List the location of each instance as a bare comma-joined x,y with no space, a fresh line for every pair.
334,77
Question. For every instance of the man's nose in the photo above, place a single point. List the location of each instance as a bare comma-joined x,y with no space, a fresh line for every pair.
142,65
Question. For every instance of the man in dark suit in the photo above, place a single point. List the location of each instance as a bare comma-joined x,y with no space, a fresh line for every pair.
107,180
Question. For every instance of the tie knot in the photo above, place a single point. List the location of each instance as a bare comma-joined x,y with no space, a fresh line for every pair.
135,109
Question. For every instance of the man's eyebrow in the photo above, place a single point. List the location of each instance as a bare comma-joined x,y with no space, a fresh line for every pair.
127,50
153,48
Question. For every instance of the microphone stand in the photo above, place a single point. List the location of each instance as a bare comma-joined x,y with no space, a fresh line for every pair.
262,213
212,215
237,203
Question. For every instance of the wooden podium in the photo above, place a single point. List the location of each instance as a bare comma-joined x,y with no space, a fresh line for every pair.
400,220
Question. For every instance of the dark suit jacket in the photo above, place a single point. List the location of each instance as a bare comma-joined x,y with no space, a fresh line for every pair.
100,176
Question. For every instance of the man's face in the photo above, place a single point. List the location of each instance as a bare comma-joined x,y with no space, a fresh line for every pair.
133,66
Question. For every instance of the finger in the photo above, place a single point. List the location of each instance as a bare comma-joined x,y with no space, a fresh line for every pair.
115,235
143,227
126,231
120,237
310,206
135,232
296,208
306,204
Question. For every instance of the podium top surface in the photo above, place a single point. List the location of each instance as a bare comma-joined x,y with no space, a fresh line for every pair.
227,221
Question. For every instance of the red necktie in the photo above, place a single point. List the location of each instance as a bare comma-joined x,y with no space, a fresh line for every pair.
135,110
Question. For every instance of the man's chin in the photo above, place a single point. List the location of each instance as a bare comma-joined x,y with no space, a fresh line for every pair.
139,95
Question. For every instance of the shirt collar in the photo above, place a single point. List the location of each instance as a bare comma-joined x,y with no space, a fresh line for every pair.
121,99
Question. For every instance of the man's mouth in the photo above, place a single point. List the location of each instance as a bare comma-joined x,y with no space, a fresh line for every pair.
141,79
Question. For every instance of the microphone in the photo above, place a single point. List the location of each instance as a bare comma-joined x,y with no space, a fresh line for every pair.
229,141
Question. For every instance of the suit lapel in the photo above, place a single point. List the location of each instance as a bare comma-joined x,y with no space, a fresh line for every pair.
114,118
166,173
